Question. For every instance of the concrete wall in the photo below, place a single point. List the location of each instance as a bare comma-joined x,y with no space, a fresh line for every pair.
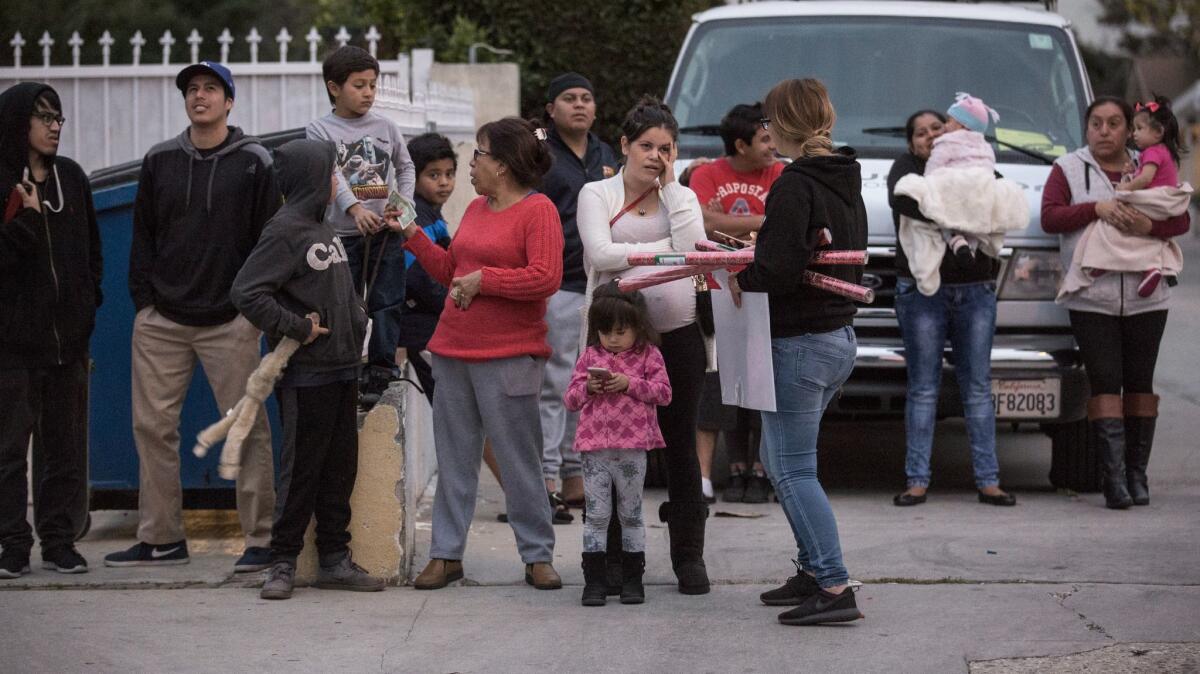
496,88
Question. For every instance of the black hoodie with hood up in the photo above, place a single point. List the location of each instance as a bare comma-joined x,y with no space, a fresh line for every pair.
812,193
50,264
300,266
195,220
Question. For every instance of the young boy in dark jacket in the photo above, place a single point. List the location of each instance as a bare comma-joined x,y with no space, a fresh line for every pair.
49,292
296,283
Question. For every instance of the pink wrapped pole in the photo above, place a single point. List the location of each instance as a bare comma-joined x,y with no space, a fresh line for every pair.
834,257
718,258
663,276
839,287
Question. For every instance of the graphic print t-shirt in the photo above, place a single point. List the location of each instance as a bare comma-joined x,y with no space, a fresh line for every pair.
372,158
738,193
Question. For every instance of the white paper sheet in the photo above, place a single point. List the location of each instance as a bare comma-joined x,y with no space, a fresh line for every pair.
744,348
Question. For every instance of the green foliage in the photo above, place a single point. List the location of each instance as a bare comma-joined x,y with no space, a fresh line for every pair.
626,47
1109,74
1156,26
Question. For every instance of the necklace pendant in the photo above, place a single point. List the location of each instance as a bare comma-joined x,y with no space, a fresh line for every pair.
641,211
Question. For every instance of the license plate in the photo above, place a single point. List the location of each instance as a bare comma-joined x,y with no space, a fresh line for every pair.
1026,398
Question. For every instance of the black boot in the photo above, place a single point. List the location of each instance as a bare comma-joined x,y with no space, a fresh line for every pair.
593,579
685,523
633,565
1108,428
1141,412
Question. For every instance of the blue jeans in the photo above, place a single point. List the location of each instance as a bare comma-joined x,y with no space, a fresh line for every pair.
809,370
386,301
966,314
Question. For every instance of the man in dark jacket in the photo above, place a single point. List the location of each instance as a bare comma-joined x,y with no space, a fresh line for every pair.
297,284
580,157
201,203
50,272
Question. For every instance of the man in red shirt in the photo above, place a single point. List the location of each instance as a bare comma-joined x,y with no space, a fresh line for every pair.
733,191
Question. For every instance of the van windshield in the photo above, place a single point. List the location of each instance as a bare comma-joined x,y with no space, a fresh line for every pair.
879,70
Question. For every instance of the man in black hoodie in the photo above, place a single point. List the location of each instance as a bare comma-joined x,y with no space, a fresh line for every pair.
201,203
297,284
50,271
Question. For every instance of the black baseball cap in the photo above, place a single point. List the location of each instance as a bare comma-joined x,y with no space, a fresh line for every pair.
206,68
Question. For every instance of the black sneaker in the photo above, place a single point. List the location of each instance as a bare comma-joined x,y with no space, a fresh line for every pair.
64,559
253,559
144,554
823,607
758,489
735,491
13,563
797,588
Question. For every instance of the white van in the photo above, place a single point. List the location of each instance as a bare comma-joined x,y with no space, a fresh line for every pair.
882,61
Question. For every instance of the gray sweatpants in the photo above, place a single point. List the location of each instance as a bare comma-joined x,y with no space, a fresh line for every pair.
559,458
609,471
496,399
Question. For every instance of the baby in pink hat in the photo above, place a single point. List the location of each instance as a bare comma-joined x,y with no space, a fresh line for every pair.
964,146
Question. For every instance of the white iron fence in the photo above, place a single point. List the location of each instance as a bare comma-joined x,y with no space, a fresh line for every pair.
115,112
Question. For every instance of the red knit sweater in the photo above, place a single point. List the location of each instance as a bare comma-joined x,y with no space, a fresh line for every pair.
519,250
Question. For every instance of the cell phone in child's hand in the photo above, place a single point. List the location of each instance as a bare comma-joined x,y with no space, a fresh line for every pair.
732,240
599,373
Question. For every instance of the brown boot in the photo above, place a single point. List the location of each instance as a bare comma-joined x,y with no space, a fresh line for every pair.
439,573
1141,413
542,576
1106,417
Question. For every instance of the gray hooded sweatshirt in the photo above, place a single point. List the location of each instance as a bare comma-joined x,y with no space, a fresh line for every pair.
299,266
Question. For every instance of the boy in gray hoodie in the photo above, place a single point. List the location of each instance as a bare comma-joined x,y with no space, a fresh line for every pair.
296,283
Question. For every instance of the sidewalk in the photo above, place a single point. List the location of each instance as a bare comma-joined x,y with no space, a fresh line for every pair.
945,585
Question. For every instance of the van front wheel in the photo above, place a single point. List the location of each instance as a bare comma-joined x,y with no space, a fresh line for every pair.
1074,464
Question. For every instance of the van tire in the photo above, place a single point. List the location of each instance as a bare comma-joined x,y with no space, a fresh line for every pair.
1074,464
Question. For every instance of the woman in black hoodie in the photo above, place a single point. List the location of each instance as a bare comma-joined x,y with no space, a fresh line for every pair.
50,272
812,339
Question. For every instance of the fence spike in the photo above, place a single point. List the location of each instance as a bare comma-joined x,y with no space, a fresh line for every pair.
166,41
46,42
106,42
342,37
313,38
16,43
195,41
373,38
76,42
254,38
226,39
138,42
283,38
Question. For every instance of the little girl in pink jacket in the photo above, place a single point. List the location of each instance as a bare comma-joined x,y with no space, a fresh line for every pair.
618,382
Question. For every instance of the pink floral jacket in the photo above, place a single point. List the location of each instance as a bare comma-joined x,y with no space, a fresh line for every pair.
626,420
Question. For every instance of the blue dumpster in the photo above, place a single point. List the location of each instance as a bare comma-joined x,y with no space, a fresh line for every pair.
112,454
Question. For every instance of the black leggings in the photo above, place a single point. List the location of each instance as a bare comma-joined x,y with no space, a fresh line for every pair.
683,352
1119,352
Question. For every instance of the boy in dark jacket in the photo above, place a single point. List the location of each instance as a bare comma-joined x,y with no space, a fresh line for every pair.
436,165
297,284
50,271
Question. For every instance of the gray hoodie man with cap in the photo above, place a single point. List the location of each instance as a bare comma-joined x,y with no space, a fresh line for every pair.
202,200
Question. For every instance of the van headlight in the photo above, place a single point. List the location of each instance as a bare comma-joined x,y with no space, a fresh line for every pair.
1032,275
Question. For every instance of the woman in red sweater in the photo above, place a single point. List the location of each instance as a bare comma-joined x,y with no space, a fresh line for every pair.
490,347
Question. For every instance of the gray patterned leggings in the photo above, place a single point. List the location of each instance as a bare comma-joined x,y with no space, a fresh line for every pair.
606,471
